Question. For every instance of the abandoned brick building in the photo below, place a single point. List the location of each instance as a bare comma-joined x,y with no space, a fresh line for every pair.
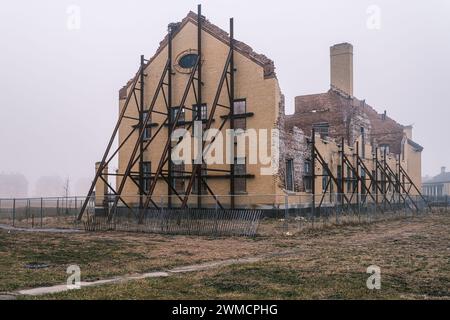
337,116
201,73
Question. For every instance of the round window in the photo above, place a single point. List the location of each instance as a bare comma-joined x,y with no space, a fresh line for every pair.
188,61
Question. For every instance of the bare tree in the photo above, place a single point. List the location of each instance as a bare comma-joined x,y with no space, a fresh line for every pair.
66,188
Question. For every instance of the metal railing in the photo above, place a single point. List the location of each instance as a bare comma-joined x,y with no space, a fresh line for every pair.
54,212
212,215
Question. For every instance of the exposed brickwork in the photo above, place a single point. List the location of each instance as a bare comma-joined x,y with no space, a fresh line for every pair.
293,146
346,115
220,34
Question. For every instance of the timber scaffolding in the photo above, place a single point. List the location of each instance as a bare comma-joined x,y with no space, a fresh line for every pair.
395,179
198,174
383,187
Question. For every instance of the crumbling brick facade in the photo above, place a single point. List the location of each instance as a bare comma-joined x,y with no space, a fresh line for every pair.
346,116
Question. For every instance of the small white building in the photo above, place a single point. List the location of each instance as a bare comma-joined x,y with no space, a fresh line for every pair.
438,186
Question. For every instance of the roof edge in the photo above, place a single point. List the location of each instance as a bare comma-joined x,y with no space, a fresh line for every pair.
221,35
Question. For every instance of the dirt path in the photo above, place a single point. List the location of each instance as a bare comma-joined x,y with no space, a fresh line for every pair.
46,230
184,269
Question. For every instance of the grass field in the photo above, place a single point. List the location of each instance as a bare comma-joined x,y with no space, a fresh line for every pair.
330,263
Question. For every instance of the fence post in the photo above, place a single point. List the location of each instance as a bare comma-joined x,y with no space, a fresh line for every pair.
14,212
337,209
32,213
216,222
405,204
162,212
286,213
42,202
359,209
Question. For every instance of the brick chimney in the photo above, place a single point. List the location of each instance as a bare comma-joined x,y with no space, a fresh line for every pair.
408,131
341,57
443,169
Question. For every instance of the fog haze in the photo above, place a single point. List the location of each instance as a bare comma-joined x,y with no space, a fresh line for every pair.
59,85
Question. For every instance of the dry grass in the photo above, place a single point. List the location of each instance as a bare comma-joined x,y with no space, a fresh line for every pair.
102,255
325,263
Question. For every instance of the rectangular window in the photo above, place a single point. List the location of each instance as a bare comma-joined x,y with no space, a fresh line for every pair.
203,112
240,170
322,128
148,129
147,174
355,181
324,180
384,147
290,175
374,186
339,177
240,108
383,182
307,178
363,181
178,178
195,185
174,113
363,185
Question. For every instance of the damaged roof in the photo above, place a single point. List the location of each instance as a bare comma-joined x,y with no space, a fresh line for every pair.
336,104
220,34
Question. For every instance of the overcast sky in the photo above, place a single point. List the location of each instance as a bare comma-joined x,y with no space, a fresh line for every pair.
59,83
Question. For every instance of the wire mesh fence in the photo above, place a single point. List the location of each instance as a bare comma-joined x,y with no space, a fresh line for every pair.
56,212
207,222
240,215
331,210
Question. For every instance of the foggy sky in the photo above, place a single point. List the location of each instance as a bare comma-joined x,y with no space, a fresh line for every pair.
59,87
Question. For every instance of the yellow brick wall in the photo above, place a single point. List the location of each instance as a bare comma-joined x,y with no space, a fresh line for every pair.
262,96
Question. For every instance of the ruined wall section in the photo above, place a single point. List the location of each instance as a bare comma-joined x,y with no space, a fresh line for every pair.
293,146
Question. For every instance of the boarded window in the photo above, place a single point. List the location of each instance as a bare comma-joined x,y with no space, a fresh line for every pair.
147,129
307,178
240,170
178,182
147,174
290,175
204,189
324,180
